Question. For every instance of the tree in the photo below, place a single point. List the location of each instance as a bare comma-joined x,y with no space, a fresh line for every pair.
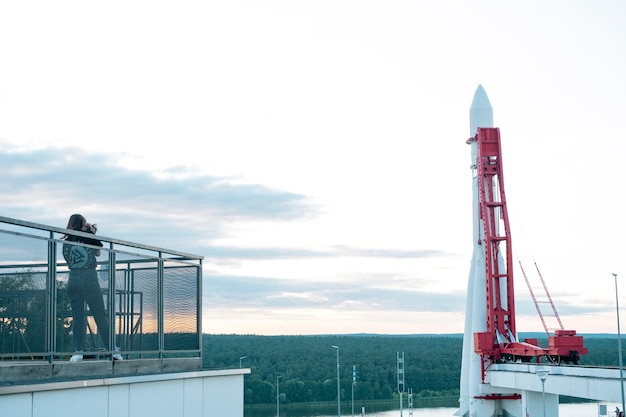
23,312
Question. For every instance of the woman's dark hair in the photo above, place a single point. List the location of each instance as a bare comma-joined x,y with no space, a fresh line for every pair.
75,222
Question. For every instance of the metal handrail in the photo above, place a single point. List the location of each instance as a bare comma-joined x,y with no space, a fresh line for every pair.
61,230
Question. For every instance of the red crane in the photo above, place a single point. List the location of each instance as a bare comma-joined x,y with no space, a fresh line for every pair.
532,294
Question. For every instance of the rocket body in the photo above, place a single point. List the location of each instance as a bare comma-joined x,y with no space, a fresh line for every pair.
471,386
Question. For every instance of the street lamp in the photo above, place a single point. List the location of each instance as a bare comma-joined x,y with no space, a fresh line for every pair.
542,373
353,384
240,359
277,396
338,388
619,343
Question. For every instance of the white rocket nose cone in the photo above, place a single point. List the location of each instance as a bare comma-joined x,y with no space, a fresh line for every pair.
481,113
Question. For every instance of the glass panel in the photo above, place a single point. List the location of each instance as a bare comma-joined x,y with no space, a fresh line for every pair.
23,301
180,316
136,293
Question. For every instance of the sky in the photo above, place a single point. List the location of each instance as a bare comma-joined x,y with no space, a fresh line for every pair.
314,152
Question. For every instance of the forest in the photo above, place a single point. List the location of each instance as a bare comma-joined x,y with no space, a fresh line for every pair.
307,365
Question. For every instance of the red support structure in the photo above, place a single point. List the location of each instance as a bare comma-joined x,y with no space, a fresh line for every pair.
499,342
497,240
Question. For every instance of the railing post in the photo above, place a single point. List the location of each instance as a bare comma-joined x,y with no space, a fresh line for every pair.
51,292
111,296
129,282
160,307
199,306
131,308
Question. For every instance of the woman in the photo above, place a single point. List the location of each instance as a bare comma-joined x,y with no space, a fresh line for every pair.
83,285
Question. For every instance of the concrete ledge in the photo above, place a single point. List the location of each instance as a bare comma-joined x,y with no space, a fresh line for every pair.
20,371
64,370
31,372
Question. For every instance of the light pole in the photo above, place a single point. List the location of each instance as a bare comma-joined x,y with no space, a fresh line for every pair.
338,387
240,359
277,396
619,343
542,373
353,384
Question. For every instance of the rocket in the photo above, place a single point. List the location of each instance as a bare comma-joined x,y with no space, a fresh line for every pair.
490,332
481,115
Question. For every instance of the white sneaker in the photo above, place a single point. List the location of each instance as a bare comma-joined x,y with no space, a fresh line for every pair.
77,357
117,356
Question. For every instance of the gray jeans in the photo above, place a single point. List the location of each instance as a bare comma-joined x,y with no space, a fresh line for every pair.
83,287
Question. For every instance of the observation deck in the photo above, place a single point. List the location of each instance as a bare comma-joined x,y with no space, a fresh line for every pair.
152,298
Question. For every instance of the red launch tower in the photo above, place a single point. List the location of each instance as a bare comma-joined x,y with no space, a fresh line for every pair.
499,341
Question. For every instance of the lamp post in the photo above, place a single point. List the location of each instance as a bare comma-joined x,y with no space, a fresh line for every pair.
542,373
240,359
619,343
353,384
277,397
338,387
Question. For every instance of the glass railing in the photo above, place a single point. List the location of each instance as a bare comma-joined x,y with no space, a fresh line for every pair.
151,296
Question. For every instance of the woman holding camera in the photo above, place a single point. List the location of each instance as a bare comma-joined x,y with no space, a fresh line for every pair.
83,286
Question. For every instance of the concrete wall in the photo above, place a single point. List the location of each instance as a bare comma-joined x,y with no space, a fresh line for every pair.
186,394
533,404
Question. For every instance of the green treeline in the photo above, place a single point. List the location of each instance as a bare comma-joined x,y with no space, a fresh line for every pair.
307,365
